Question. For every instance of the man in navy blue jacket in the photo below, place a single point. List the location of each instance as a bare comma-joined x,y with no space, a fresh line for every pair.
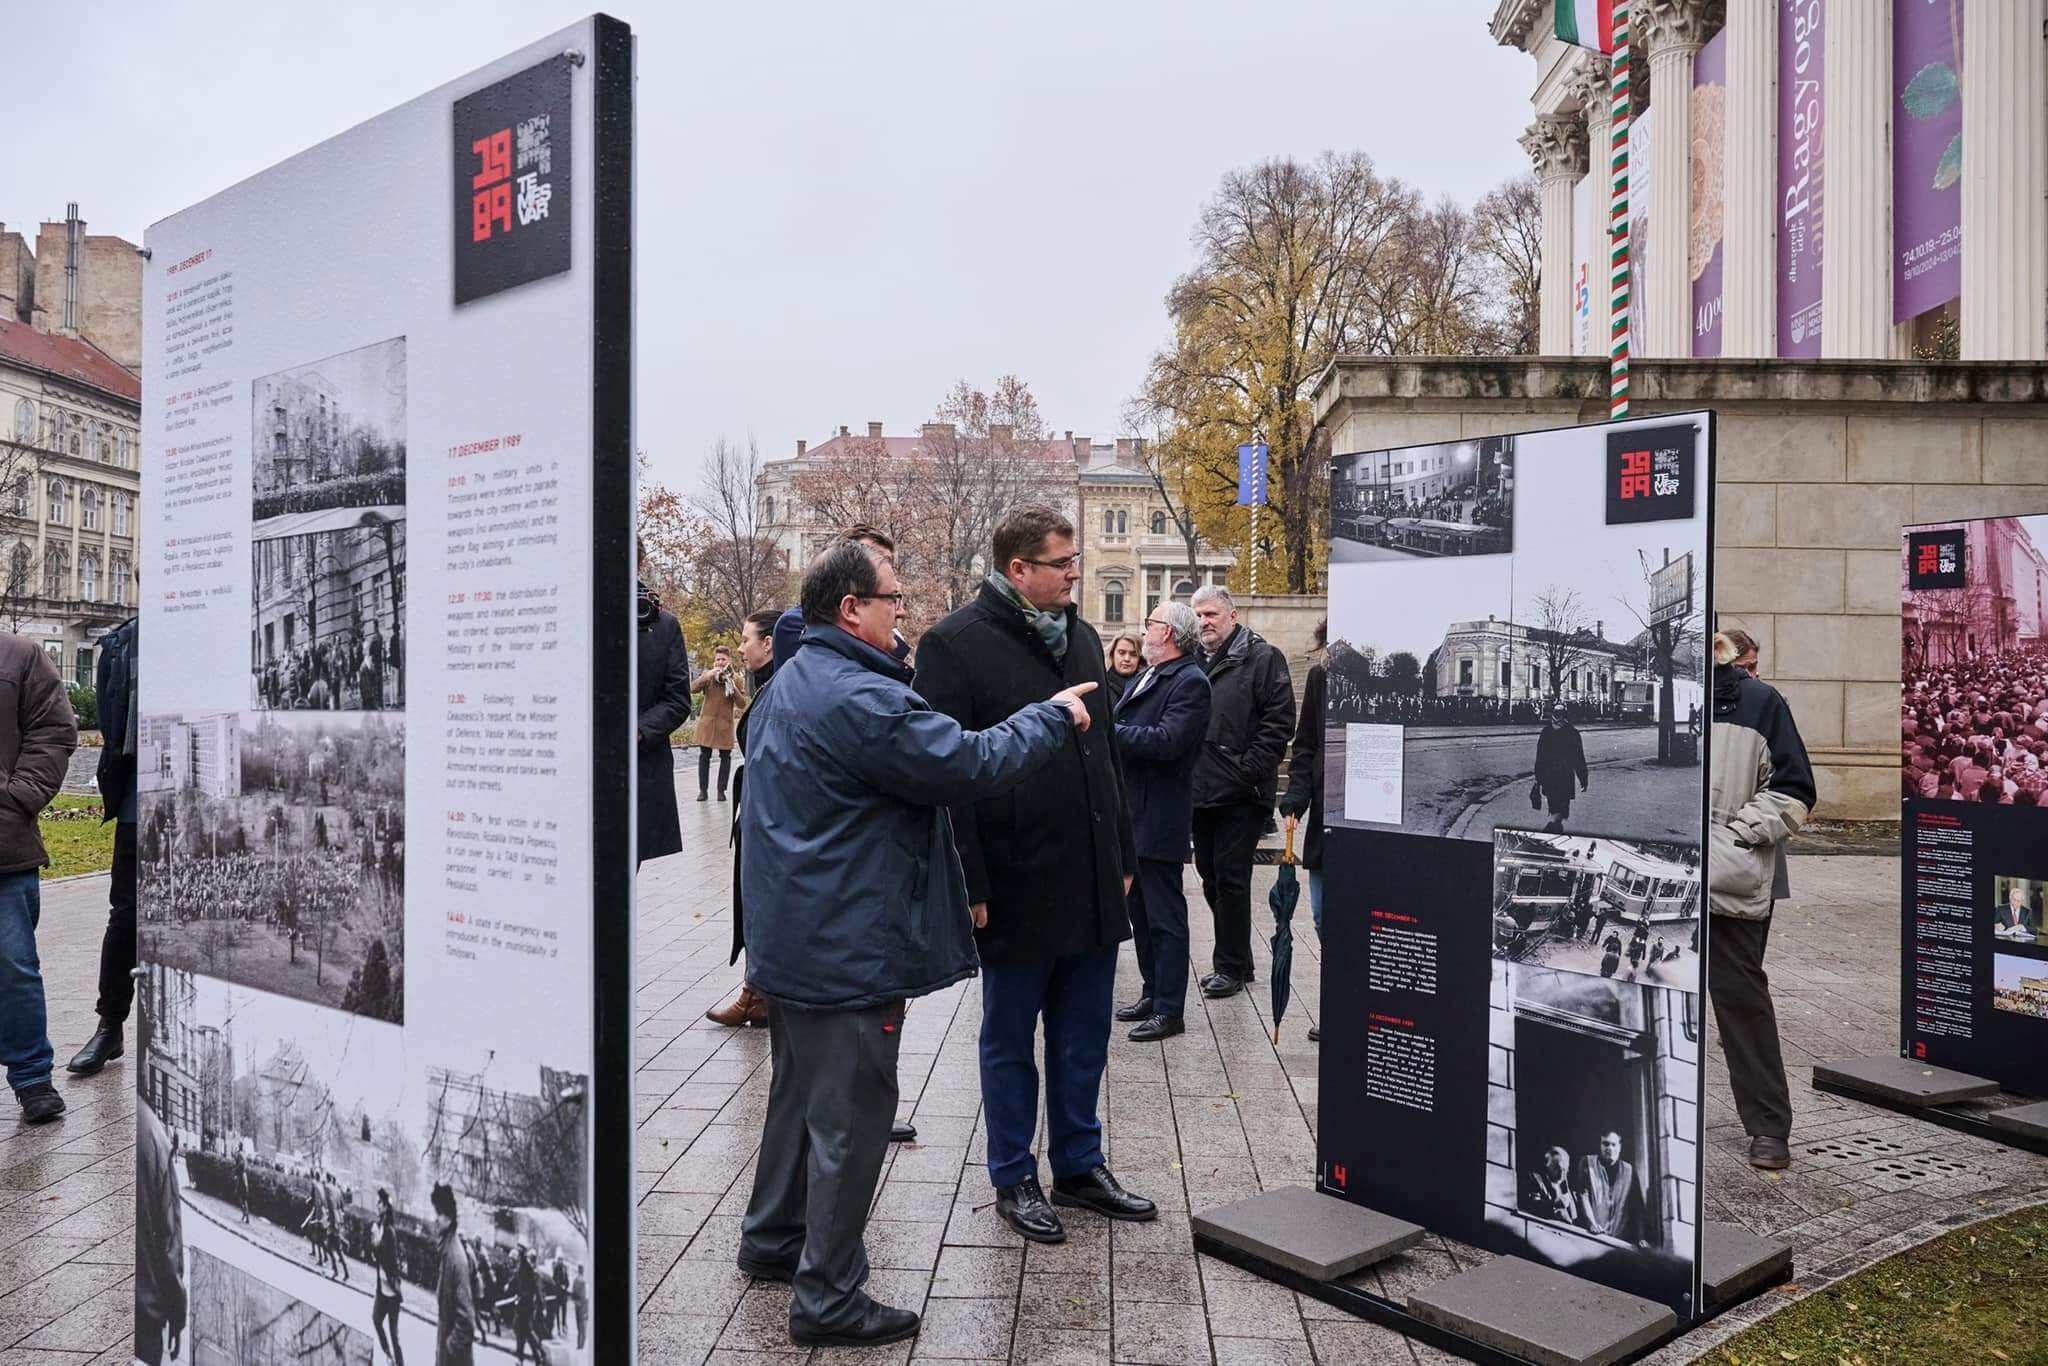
1160,726
855,902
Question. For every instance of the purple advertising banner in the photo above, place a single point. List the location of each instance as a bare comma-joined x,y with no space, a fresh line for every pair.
1801,184
1709,155
1927,155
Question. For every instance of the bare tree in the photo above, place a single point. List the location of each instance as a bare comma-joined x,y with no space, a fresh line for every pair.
20,586
1169,463
736,568
1559,633
1507,225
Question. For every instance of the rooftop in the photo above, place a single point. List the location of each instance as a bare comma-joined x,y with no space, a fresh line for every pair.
68,359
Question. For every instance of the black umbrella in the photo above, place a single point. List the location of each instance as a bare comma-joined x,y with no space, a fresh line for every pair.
1283,898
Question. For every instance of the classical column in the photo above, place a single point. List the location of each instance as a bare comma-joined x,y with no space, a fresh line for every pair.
2005,179
1856,273
1556,143
1674,31
1589,87
1749,153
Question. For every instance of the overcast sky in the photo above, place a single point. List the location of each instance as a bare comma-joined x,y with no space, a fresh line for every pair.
843,207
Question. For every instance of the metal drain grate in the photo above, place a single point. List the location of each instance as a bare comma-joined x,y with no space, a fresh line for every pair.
1855,1148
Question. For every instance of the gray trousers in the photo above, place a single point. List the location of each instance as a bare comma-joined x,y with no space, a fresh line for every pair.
1749,1025
831,1102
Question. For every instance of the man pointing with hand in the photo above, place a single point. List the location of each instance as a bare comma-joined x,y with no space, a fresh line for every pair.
1048,864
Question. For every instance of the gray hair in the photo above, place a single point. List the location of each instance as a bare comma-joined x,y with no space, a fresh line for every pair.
1180,619
1213,592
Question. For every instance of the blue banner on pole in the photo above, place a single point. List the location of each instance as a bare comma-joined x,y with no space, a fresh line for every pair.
1251,474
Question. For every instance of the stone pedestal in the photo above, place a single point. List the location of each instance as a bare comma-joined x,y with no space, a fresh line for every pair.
1901,1081
1307,1232
1540,1315
1735,1263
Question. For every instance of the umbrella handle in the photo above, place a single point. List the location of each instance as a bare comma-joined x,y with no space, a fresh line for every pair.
1287,849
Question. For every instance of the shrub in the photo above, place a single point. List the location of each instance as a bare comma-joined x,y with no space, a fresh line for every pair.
86,703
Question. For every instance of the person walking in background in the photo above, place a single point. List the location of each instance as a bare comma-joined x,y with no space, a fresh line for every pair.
757,656
1048,867
1761,792
1560,762
1305,784
38,731
1160,728
724,697
1251,719
160,1301
386,1303
455,1327
1126,661
664,679
114,688
855,903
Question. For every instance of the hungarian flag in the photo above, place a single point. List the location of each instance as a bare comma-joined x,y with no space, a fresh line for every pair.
1586,23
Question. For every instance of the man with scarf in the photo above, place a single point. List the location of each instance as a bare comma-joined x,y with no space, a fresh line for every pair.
1048,867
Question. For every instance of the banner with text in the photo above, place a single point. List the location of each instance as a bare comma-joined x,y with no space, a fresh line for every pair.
1709,200
1927,155
1802,186
377,1024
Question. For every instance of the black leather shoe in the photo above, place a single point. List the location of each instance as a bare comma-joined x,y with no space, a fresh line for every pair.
39,1103
900,1132
1315,1034
1159,1027
702,797
1140,1009
1023,1208
1210,978
767,1271
1219,986
1771,1154
878,1324
1099,1191
102,1048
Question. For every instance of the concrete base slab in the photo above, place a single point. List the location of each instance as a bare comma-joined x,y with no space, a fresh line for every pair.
2028,1121
1309,1233
1734,1262
1542,1316
1902,1081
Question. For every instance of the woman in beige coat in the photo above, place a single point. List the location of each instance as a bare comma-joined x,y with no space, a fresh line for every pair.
725,696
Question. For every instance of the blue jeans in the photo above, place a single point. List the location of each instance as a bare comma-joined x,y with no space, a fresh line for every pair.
24,1025
1315,899
1075,996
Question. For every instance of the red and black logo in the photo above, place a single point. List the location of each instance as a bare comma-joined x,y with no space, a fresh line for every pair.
1934,559
512,186
1650,474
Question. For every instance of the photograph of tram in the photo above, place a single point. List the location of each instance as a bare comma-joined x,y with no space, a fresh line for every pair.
1628,910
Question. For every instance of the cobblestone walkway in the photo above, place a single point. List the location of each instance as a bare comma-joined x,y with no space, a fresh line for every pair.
1215,1114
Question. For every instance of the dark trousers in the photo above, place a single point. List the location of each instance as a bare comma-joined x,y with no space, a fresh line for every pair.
1749,1025
704,770
1074,995
1159,932
24,1019
384,1309
1225,838
117,946
831,1103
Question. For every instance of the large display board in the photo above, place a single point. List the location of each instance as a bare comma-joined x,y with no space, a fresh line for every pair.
1974,834
1513,936
384,749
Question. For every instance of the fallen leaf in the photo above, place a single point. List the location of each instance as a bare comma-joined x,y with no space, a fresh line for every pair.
1788,1355
2000,1355
1789,1288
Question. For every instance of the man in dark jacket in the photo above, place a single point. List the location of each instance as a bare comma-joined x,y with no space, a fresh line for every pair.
1251,719
1305,785
1560,763
1048,866
38,731
114,690
1160,727
855,902
664,679
160,1300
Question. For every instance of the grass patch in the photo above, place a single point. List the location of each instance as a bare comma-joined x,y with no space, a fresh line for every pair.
78,841
1979,1294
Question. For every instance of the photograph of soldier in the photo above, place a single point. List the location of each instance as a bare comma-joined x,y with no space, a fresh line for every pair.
271,852
1624,909
1457,498
330,435
328,626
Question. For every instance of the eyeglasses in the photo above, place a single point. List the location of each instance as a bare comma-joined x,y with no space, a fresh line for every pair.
1063,563
1155,621
896,598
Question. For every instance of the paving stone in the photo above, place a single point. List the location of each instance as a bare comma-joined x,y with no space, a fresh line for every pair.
1160,1335
1902,1080
966,1330
2031,1120
1316,1235
1734,1262
1542,1315
976,1272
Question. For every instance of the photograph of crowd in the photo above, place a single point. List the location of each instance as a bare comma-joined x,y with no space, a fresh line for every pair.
1622,909
327,630
271,852
2020,985
1973,719
357,1188
1457,498
1588,1169
2017,907
331,435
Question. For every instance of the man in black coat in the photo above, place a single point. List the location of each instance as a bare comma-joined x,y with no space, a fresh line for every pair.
115,693
1560,761
1251,719
1160,726
1304,797
1048,866
664,678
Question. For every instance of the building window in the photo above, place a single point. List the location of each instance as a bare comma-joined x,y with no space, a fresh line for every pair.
25,422
18,569
1108,522
1184,589
121,502
1123,521
56,573
74,435
1220,576
24,495
1504,666
84,675
89,576
1158,523
771,509
60,499
121,577
89,509
1113,602
1464,673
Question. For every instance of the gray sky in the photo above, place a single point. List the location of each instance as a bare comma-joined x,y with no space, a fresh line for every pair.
843,208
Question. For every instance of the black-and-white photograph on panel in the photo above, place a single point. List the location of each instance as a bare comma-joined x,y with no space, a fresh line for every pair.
330,435
271,853
1628,910
1591,1114
327,622
366,1185
1430,502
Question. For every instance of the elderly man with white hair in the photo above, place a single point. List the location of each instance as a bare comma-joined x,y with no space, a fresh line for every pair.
1251,720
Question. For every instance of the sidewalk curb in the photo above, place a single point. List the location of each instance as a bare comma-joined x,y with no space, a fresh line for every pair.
75,877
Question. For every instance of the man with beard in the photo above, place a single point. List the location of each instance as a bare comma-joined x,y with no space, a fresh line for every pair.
1560,761
1548,1190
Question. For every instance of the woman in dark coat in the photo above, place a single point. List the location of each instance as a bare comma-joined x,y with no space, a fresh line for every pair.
1126,661
1304,798
664,705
